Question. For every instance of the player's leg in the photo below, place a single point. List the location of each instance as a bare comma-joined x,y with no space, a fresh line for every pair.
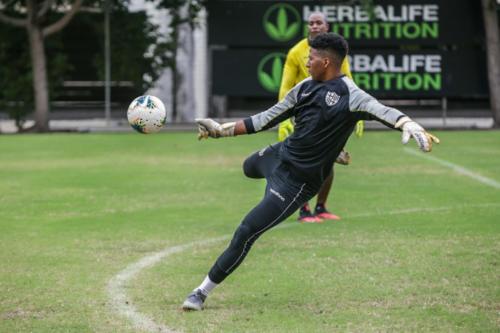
276,206
320,210
267,214
262,163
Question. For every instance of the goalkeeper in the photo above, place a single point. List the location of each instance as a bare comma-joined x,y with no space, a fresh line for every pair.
326,108
295,70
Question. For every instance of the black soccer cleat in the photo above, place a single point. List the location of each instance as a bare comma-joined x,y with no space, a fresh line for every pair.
194,301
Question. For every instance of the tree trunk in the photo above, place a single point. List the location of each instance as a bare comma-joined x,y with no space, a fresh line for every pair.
493,56
185,85
40,82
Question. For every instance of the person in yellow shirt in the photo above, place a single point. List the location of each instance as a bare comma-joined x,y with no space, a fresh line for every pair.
295,71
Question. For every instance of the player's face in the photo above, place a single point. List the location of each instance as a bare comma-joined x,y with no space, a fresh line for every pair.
317,25
317,65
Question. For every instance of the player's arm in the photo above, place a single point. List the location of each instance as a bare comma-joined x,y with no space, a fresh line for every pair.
256,123
367,107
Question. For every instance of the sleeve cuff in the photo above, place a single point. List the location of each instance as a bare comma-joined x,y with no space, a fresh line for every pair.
249,125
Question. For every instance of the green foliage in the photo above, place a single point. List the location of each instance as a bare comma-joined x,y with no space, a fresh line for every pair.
77,53
16,86
174,7
137,53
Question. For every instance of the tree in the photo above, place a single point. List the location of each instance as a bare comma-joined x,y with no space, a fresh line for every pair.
493,56
181,12
59,60
34,21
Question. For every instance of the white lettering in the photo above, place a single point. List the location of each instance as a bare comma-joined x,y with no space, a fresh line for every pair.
414,12
393,66
392,16
416,62
380,13
360,15
345,14
277,194
361,63
379,64
431,13
387,13
392,63
433,64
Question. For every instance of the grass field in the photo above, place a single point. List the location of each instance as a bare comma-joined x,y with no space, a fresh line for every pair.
418,248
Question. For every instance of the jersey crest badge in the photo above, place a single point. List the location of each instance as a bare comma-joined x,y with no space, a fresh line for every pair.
331,98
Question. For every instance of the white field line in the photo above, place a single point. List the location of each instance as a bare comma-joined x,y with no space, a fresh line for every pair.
117,285
457,168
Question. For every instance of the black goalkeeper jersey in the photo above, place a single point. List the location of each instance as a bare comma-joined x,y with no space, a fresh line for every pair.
325,115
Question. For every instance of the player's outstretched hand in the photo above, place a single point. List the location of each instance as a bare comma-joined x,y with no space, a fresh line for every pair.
360,128
210,128
412,129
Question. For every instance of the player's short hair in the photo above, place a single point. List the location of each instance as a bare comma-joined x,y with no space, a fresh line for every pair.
333,44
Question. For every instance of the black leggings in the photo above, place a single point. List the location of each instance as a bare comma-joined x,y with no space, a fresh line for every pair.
283,196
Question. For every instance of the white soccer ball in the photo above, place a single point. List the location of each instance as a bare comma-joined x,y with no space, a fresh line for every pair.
146,114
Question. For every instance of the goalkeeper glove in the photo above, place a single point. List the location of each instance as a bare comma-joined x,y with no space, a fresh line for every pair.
360,127
210,128
412,129
285,129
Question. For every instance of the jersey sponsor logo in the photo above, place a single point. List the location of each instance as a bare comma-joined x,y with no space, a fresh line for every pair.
331,98
277,194
305,94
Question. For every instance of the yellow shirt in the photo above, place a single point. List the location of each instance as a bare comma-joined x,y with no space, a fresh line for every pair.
295,69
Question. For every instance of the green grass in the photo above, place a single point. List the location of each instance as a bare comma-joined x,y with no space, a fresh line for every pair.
417,249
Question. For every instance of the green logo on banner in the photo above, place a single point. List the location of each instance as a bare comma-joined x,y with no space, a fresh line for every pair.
270,70
281,22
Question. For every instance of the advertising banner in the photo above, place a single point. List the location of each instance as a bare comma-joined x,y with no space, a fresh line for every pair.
387,23
384,73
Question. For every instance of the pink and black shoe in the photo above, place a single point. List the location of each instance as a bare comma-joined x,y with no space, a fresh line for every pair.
305,215
323,214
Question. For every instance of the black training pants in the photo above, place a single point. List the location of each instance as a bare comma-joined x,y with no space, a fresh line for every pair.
283,196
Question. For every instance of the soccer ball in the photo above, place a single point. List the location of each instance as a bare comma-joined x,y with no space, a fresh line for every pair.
146,114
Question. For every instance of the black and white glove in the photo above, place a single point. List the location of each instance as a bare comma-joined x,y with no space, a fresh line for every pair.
210,128
412,129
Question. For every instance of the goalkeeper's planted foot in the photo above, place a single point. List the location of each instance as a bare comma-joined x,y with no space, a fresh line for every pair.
321,212
305,215
194,301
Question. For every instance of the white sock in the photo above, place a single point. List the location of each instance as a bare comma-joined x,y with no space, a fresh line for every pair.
206,286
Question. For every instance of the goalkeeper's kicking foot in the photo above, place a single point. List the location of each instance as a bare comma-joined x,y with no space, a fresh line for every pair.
321,212
194,301
305,215
344,158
